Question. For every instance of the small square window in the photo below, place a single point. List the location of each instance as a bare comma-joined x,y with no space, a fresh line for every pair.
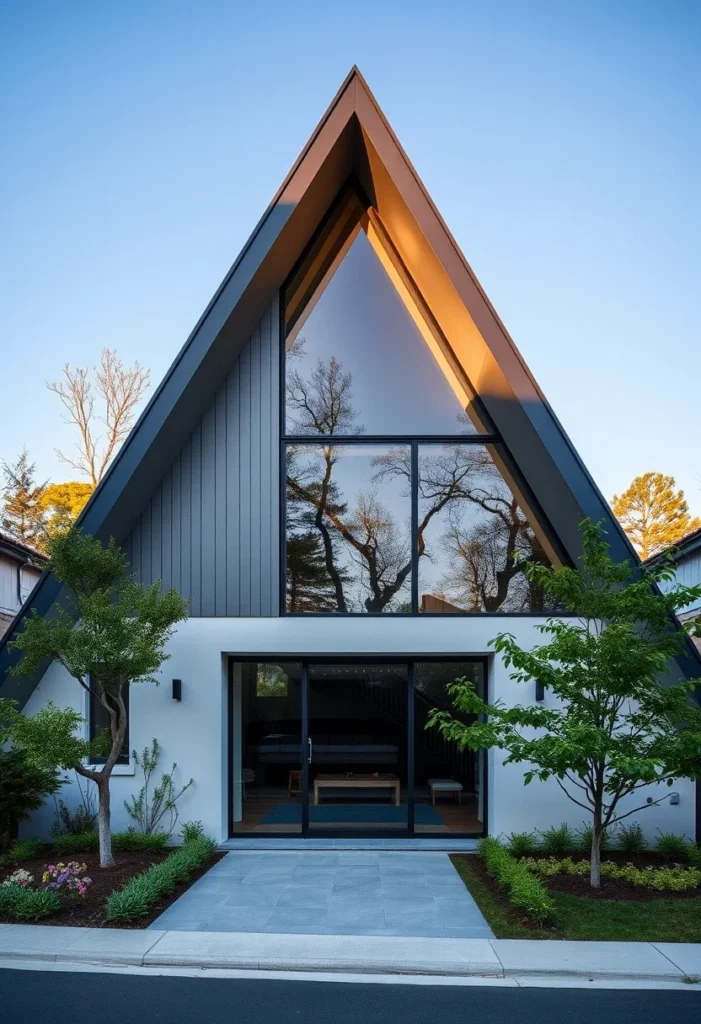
271,681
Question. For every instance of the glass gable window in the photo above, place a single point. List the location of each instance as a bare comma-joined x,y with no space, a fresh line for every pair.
358,362
407,510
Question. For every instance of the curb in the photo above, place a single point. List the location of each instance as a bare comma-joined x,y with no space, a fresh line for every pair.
336,966
352,954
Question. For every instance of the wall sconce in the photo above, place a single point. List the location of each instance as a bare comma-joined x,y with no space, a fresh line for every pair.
177,689
539,690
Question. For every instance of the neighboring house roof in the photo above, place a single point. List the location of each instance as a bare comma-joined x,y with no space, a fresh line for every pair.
683,549
353,142
20,550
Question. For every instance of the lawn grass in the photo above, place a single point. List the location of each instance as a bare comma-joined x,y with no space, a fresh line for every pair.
576,917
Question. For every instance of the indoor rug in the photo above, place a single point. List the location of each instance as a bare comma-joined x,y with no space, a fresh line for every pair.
331,814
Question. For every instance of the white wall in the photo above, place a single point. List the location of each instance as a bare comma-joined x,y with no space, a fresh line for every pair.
193,732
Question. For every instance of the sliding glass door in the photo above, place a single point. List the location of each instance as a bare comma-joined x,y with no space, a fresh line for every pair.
358,748
340,748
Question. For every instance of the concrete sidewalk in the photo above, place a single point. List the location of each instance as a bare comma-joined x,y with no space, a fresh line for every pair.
487,958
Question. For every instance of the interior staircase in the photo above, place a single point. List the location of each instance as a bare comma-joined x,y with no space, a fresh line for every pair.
441,756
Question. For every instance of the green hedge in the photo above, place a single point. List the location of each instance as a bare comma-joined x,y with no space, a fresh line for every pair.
142,892
88,842
21,850
524,890
28,904
80,842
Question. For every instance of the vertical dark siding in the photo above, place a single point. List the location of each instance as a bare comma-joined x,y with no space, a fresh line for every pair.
211,526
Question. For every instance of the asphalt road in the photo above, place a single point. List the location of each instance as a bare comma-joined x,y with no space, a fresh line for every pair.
85,998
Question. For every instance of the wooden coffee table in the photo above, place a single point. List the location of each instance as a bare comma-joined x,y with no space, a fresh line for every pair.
357,782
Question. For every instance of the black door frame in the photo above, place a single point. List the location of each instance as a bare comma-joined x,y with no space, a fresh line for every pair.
304,661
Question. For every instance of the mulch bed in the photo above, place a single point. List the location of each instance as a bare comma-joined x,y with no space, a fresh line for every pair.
613,888
89,911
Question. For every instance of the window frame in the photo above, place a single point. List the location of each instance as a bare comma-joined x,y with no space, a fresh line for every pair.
489,438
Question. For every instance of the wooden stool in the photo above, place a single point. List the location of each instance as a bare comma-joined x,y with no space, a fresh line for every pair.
294,782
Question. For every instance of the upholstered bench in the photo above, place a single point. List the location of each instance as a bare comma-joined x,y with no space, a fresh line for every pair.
445,786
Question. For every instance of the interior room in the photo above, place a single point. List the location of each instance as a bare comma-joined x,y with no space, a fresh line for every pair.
341,747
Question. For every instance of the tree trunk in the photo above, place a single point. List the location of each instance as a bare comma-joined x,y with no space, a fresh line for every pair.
597,832
103,824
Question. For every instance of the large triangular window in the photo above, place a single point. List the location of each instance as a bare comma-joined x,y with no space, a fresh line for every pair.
408,509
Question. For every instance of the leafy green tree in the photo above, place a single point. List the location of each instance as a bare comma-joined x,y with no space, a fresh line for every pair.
617,724
23,789
22,509
109,632
653,513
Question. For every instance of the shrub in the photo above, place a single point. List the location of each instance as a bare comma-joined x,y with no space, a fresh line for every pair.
521,844
672,879
82,818
152,806
631,839
560,839
138,841
21,849
517,880
142,892
86,842
28,904
23,789
192,830
551,866
671,845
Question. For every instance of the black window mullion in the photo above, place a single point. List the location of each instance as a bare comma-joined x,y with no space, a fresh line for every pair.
414,527
410,750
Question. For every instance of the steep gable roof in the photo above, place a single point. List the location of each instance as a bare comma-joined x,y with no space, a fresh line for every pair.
354,141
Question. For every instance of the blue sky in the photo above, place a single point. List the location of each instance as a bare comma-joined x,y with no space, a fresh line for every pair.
140,142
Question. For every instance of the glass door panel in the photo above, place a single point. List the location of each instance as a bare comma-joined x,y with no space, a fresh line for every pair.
267,748
448,787
358,727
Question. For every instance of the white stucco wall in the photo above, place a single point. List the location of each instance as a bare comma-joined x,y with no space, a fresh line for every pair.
194,732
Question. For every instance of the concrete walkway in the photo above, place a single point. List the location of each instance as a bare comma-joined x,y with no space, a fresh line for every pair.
660,962
330,893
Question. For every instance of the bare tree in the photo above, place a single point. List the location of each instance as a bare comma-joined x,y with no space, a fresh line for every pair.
119,390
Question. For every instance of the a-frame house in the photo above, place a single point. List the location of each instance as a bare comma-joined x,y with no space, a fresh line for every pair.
338,470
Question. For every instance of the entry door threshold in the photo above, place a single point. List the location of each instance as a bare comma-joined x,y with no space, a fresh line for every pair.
411,845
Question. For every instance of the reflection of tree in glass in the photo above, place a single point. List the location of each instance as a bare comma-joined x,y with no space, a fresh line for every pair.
271,681
460,488
484,552
321,404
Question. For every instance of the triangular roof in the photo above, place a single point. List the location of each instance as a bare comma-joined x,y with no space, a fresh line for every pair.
353,141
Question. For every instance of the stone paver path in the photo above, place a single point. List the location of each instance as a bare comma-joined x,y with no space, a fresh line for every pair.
334,893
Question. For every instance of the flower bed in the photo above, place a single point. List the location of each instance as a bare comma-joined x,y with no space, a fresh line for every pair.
68,907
